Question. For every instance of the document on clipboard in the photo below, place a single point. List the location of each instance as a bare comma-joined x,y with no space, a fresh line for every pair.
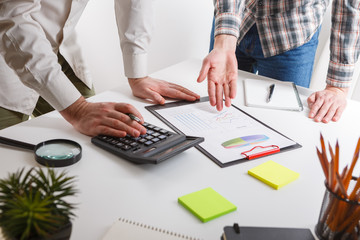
285,95
231,136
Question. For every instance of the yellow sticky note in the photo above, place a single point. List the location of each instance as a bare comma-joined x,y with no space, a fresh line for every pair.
273,174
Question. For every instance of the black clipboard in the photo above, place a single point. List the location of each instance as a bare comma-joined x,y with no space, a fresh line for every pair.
248,156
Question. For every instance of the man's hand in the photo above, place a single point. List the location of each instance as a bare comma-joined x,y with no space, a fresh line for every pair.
220,68
327,105
107,118
156,90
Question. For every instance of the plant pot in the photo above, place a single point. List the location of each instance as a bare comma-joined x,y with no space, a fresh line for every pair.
63,233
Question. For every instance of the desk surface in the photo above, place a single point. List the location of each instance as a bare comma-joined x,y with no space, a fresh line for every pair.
111,188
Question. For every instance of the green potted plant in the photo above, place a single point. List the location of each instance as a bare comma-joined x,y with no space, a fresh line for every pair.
33,206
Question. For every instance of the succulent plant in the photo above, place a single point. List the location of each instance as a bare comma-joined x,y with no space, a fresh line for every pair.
32,203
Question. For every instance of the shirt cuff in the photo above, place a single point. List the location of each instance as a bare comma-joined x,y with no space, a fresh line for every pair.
60,92
135,66
340,75
227,23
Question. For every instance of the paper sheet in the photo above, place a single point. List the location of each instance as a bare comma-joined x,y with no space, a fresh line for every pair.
284,97
227,133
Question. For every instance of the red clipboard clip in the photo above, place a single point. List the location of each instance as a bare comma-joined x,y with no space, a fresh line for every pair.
268,150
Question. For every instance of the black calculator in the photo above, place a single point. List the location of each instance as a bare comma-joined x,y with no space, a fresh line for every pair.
155,146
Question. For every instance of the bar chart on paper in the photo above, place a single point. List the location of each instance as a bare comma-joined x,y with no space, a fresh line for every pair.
227,133
206,119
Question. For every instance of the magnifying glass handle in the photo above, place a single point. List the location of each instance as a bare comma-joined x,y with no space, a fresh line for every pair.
14,143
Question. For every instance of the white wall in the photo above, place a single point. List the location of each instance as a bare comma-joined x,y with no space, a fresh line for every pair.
182,31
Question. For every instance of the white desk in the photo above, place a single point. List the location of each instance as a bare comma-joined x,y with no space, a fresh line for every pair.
111,187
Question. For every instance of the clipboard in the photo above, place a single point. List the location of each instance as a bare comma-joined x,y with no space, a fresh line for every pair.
249,152
284,97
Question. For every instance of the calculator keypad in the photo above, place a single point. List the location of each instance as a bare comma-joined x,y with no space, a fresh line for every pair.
155,146
153,135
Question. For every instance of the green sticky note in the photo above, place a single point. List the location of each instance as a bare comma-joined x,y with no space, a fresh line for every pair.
273,174
206,204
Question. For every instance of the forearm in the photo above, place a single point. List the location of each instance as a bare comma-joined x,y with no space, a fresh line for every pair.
227,17
135,21
340,90
71,113
344,42
28,52
225,42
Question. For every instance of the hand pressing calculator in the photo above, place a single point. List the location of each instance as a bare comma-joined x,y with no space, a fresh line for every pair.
153,147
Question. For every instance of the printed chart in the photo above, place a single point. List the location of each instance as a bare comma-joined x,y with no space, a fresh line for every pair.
228,134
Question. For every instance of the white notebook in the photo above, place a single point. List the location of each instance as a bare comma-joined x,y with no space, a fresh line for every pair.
132,230
285,95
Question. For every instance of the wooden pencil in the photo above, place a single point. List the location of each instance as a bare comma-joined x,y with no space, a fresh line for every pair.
339,216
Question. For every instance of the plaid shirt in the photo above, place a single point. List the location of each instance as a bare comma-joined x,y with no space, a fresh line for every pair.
286,24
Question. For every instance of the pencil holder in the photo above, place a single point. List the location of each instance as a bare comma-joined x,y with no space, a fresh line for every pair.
339,218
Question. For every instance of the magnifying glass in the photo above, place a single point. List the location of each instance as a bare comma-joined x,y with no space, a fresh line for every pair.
51,153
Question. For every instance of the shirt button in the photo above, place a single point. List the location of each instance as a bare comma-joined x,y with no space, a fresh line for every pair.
260,3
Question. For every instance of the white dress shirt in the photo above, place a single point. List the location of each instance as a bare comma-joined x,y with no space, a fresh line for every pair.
33,31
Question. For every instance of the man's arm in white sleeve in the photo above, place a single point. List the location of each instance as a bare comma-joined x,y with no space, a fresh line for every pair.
26,49
135,20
